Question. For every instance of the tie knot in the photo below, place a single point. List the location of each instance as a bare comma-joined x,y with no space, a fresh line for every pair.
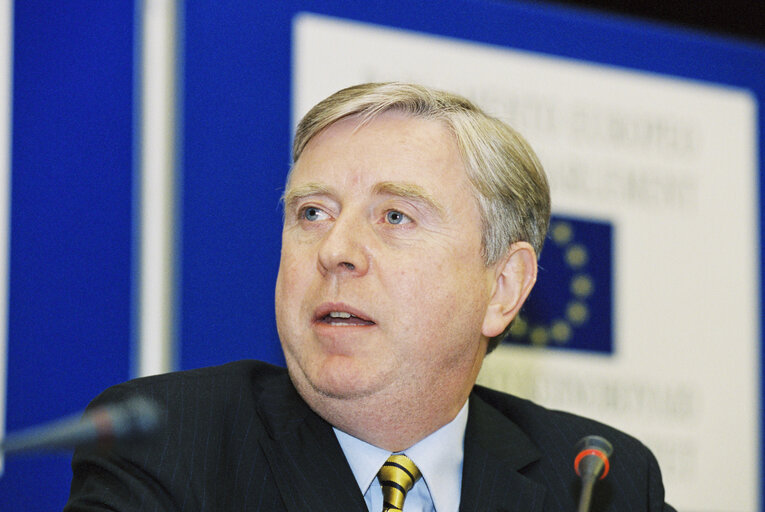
397,476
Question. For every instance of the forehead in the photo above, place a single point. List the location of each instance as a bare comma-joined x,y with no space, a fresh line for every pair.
390,147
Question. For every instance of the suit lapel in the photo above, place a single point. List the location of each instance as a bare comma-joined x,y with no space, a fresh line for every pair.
309,466
496,449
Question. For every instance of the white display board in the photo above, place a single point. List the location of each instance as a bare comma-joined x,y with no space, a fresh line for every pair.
671,165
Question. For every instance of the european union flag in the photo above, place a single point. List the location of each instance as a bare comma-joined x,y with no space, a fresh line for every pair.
571,306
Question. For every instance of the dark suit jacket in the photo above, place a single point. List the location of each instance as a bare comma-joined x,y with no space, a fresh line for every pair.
238,437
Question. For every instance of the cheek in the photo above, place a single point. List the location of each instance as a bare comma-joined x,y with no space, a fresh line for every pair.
291,263
424,300
447,299
287,290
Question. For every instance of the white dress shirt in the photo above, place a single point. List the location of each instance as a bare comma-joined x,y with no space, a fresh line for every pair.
438,457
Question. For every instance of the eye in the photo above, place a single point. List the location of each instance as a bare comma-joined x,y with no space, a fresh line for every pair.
396,217
311,213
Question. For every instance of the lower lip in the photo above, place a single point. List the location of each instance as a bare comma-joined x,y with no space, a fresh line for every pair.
335,327
340,323
342,339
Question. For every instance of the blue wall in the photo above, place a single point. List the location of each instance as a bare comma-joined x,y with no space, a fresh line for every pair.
70,255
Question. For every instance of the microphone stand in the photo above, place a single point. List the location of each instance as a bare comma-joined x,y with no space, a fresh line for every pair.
591,463
588,483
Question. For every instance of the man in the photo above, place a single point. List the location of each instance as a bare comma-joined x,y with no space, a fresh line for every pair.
412,224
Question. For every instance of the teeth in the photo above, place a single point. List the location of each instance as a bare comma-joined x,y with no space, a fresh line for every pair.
339,314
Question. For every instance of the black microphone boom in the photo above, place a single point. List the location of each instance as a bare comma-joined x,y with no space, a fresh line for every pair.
591,463
134,418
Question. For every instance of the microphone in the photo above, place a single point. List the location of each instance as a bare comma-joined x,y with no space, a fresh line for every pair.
591,463
132,419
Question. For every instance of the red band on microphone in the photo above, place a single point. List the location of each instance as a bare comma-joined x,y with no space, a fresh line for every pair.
599,454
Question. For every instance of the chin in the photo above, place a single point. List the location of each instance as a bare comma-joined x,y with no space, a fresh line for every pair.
340,380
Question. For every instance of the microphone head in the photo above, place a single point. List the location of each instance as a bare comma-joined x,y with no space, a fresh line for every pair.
142,416
592,456
133,418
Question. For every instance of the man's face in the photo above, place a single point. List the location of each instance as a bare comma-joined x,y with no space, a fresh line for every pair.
382,288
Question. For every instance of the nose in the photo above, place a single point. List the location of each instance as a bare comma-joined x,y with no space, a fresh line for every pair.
343,251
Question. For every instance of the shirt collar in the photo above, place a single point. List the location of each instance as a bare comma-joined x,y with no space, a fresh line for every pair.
365,459
438,456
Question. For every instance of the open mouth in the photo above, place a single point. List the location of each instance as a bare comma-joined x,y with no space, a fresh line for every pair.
343,318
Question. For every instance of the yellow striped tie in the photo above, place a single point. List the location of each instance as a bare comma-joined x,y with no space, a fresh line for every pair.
397,477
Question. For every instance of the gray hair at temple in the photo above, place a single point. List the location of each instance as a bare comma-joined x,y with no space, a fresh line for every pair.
509,183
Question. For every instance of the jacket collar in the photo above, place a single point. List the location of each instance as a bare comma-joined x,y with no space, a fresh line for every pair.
496,452
310,469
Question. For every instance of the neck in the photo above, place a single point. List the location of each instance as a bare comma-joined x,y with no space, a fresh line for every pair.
386,420
392,429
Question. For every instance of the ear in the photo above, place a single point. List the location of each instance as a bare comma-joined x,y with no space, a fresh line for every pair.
515,275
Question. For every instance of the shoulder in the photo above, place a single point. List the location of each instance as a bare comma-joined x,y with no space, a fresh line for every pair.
212,387
223,403
634,481
556,433
208,444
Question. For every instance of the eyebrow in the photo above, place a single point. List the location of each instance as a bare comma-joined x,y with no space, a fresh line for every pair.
409,191
306,190
404,190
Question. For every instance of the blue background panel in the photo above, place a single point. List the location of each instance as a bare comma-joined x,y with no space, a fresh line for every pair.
71,208
235,158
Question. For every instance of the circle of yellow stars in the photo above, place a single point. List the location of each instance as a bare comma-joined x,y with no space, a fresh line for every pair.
560,330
